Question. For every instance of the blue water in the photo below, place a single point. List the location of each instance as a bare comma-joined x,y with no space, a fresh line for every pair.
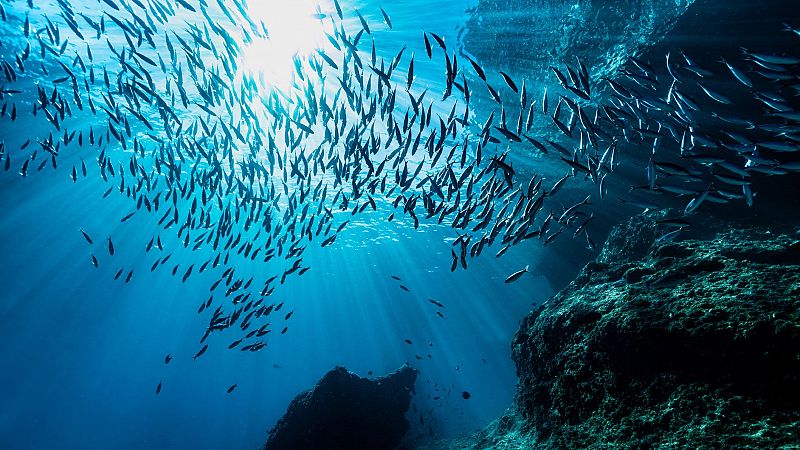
81,353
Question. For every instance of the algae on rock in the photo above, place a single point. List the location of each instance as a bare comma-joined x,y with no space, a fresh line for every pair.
690,344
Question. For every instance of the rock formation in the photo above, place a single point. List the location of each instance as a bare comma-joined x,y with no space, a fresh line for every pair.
688,344
347,412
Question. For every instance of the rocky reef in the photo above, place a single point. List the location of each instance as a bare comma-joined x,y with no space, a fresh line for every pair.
603,34
345,411
693,343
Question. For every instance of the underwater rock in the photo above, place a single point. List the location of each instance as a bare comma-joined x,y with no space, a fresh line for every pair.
688,344
603,34
700,348
345,411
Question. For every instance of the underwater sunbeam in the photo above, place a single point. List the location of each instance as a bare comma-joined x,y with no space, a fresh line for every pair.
292,28
418,224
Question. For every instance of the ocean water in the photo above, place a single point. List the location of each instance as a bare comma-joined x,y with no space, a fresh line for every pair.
82,353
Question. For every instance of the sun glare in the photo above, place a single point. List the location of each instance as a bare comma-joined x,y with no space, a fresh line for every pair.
294,29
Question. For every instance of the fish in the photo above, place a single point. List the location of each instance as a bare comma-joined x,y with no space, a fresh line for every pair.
241,174
516,275
738,74
386,18
478,69
428,48
410,76
158,388
232,387
509,81
668,237
673,222
436,303
364,24
338,9
716,96
200,352
590,245
86,237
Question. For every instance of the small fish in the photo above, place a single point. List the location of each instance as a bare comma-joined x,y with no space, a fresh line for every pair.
167,359
716,96
436,303
669,237
364,24
696,202
338,9
509,81
428,48
386,18
590,245
466,395
232,388
673,222
200,353
158,388
86,236
516,275
478,68
738,74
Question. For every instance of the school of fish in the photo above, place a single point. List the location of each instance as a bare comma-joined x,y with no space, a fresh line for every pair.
150,96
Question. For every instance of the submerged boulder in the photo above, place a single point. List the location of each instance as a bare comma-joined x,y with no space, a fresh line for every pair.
602,34
694,344
345,411
688,344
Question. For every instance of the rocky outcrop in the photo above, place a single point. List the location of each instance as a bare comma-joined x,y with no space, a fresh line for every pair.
691,343
345,411
602,34
688,344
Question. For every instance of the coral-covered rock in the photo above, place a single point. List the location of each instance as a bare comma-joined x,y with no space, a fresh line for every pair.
689,344
345,411
697,343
